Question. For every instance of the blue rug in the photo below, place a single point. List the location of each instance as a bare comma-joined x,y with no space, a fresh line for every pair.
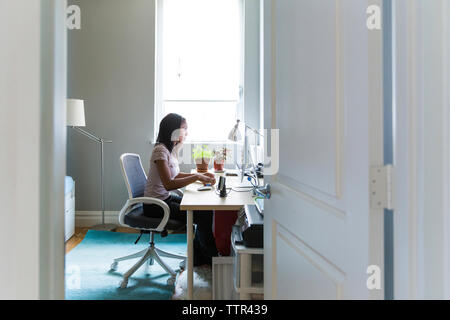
88,274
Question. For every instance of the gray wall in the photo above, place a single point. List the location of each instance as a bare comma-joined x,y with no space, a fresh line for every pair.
111,66
252,65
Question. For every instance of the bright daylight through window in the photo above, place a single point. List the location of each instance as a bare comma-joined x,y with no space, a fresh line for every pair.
200,65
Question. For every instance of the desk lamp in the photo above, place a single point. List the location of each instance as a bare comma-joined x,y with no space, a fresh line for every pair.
75,120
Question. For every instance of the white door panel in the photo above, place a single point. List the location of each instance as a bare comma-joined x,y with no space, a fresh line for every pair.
306,217
319,236
319,278
307,85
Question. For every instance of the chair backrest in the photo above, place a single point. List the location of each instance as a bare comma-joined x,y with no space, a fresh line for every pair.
133,174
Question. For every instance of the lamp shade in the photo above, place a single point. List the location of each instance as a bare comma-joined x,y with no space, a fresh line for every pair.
75,113
235,134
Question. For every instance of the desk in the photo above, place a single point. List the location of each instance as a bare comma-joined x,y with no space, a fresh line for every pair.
208,200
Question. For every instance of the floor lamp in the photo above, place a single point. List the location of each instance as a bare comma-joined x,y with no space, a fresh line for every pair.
75,120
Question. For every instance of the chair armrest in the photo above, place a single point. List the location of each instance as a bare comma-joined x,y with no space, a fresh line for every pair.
178,192
131,203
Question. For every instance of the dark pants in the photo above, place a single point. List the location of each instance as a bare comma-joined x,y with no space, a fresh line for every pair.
204,242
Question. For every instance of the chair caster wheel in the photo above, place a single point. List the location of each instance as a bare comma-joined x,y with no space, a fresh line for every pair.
171,281
114,266
123,284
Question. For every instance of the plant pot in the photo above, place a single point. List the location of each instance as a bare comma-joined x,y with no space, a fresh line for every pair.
218,166
202,167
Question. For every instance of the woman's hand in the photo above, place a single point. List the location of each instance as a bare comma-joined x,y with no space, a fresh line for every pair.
207,178
212,176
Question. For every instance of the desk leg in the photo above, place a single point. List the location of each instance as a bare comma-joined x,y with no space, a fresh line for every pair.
190,254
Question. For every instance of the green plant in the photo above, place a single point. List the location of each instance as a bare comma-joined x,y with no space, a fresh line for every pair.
202,152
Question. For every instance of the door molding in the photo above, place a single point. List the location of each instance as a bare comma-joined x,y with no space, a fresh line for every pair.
289,184
314,258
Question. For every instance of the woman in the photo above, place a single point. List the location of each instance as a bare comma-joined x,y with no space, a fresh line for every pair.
165,176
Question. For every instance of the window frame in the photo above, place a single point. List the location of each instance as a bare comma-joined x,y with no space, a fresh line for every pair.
158,105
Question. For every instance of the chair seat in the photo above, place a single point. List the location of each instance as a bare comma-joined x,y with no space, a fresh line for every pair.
137,219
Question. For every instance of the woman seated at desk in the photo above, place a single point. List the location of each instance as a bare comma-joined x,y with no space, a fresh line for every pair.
165,176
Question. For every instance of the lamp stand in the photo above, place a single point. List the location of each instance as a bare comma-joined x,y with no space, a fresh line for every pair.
103,226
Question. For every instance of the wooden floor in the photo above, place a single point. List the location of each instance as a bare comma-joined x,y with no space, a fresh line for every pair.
80,233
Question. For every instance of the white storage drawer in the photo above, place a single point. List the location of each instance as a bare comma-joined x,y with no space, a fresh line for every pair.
69,209
248,277
222,274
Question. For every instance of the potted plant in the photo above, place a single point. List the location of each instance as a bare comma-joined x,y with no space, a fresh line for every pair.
220,156
202,156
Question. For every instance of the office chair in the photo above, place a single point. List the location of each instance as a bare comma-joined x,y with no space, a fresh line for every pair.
132,215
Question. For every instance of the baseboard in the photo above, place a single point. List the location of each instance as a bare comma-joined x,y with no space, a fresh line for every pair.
91,218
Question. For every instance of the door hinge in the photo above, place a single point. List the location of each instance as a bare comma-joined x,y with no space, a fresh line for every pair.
382,187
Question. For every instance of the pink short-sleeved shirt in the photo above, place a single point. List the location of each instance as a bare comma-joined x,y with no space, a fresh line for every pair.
154,187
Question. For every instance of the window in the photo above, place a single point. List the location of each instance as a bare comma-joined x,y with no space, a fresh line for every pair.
200,65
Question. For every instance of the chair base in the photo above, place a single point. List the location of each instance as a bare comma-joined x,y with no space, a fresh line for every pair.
148,255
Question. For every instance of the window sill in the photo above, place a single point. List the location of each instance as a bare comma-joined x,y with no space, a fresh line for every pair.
239,143
214,142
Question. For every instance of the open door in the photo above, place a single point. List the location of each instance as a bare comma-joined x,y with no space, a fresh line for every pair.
326,97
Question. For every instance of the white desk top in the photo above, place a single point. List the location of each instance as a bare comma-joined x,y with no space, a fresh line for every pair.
210,200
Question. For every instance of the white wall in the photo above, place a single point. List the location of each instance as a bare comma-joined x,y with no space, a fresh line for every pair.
32,140
19,142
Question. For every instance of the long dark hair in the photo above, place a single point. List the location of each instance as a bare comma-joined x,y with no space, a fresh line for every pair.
168,125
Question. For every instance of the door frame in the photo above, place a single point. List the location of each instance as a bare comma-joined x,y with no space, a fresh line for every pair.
53,83
446,19
422,168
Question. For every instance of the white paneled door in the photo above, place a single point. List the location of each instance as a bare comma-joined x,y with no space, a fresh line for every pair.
323,92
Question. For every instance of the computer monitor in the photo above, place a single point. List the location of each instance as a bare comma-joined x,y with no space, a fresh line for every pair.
248,153
253,163
248,169
244,164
